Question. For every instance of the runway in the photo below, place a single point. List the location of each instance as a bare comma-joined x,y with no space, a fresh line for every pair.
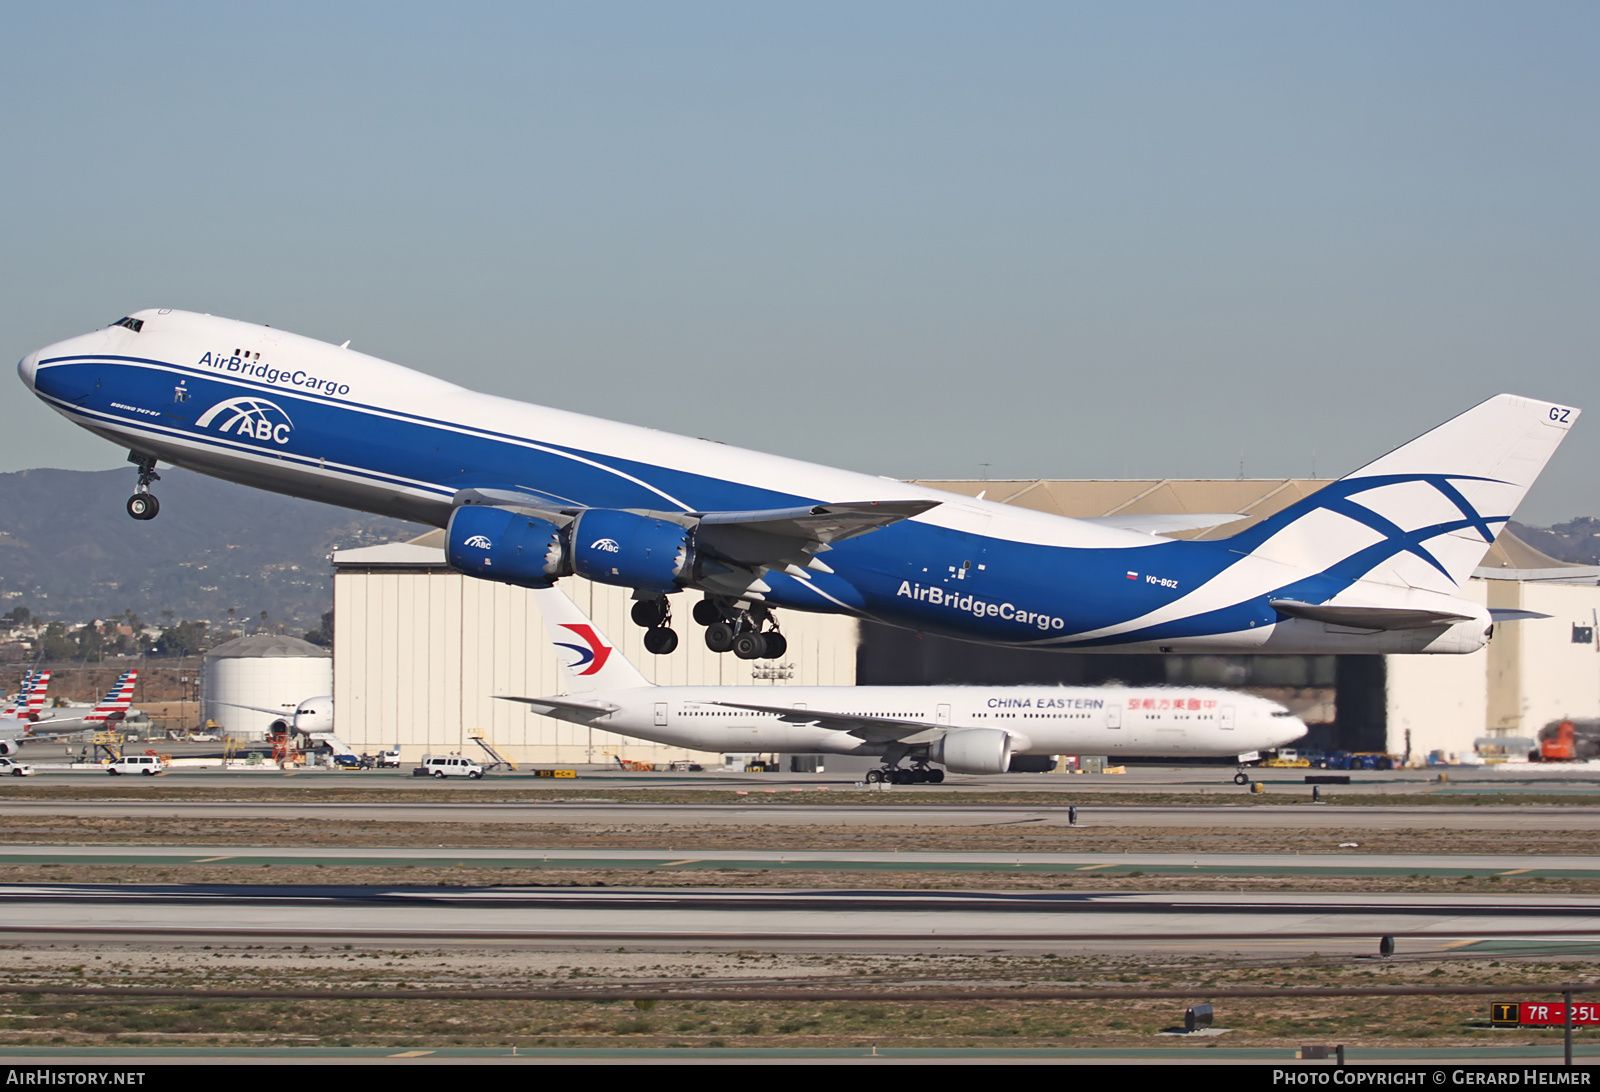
837,920
795,813
748,859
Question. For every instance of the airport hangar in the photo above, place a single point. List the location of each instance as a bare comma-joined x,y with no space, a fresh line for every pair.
420,651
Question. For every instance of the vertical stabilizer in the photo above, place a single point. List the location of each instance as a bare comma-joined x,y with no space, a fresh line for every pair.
1423,515
115,705
591,661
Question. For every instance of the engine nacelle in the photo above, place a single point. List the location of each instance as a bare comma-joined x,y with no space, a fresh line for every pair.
9,746
496,544
973,751
635,551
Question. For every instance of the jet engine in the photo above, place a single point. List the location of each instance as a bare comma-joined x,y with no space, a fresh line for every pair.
635,551
513,548
973,751
10,746
603,544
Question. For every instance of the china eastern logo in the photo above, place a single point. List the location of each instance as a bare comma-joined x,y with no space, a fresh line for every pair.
255,418
591,658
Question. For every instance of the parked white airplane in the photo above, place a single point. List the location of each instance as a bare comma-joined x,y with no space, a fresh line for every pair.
38,725
1370,564
967,729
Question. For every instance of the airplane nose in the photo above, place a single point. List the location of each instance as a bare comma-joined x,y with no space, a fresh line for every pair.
26,367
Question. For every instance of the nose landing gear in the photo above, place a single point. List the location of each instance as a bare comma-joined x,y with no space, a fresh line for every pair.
143,503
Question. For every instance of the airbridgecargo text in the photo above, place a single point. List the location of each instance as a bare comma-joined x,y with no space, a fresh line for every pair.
299,378
978,608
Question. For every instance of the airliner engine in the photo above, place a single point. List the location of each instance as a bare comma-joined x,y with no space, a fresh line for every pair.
973,751
604,545
496,544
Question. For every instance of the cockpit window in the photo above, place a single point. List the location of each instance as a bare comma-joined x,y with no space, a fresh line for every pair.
131,323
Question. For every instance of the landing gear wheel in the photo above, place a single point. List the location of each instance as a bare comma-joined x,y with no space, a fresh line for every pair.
874,777
660,641
650,613
749,646
777,645
719,637
706,613
1241,778
936,777
143,506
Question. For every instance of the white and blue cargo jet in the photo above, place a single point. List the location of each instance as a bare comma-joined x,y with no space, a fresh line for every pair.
1370,564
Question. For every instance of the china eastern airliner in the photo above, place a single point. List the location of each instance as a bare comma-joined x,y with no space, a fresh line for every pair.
1372,563
966,729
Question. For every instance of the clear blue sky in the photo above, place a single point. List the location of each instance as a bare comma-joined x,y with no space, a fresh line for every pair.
1062,240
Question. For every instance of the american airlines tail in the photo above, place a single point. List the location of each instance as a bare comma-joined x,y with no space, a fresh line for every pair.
117,700
30,695
593,662
1423,515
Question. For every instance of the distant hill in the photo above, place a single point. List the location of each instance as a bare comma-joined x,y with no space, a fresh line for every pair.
69,550
1577,540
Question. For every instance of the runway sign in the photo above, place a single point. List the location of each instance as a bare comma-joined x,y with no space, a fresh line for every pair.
1542,1014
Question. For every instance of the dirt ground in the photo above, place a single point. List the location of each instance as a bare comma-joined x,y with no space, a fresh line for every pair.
43,1019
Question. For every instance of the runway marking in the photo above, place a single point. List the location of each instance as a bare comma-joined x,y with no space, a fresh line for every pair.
1463,943
1092,867
691,860
208,860
411,1054
1514,872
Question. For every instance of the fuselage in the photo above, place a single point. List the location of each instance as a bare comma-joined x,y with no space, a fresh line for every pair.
1112,721
281,412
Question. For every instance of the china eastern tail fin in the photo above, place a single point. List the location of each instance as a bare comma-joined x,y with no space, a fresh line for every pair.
591,661
1423,515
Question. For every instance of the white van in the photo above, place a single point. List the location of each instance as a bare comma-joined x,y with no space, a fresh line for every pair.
149,765
447,766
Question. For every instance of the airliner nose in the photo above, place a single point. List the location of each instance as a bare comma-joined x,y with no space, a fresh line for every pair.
26,367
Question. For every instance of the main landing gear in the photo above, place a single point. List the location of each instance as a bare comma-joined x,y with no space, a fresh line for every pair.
143,503
655,615
894,775
750,633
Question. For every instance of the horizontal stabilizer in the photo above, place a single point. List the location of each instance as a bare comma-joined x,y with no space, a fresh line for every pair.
1510,614
580,712
1165,523
1369,617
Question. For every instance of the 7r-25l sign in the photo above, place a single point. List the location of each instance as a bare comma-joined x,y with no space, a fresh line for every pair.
1542,1014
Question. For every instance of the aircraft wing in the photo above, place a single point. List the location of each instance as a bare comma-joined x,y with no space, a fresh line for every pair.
1162,524
870,728
744,543
258,709
1369,617
579,712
